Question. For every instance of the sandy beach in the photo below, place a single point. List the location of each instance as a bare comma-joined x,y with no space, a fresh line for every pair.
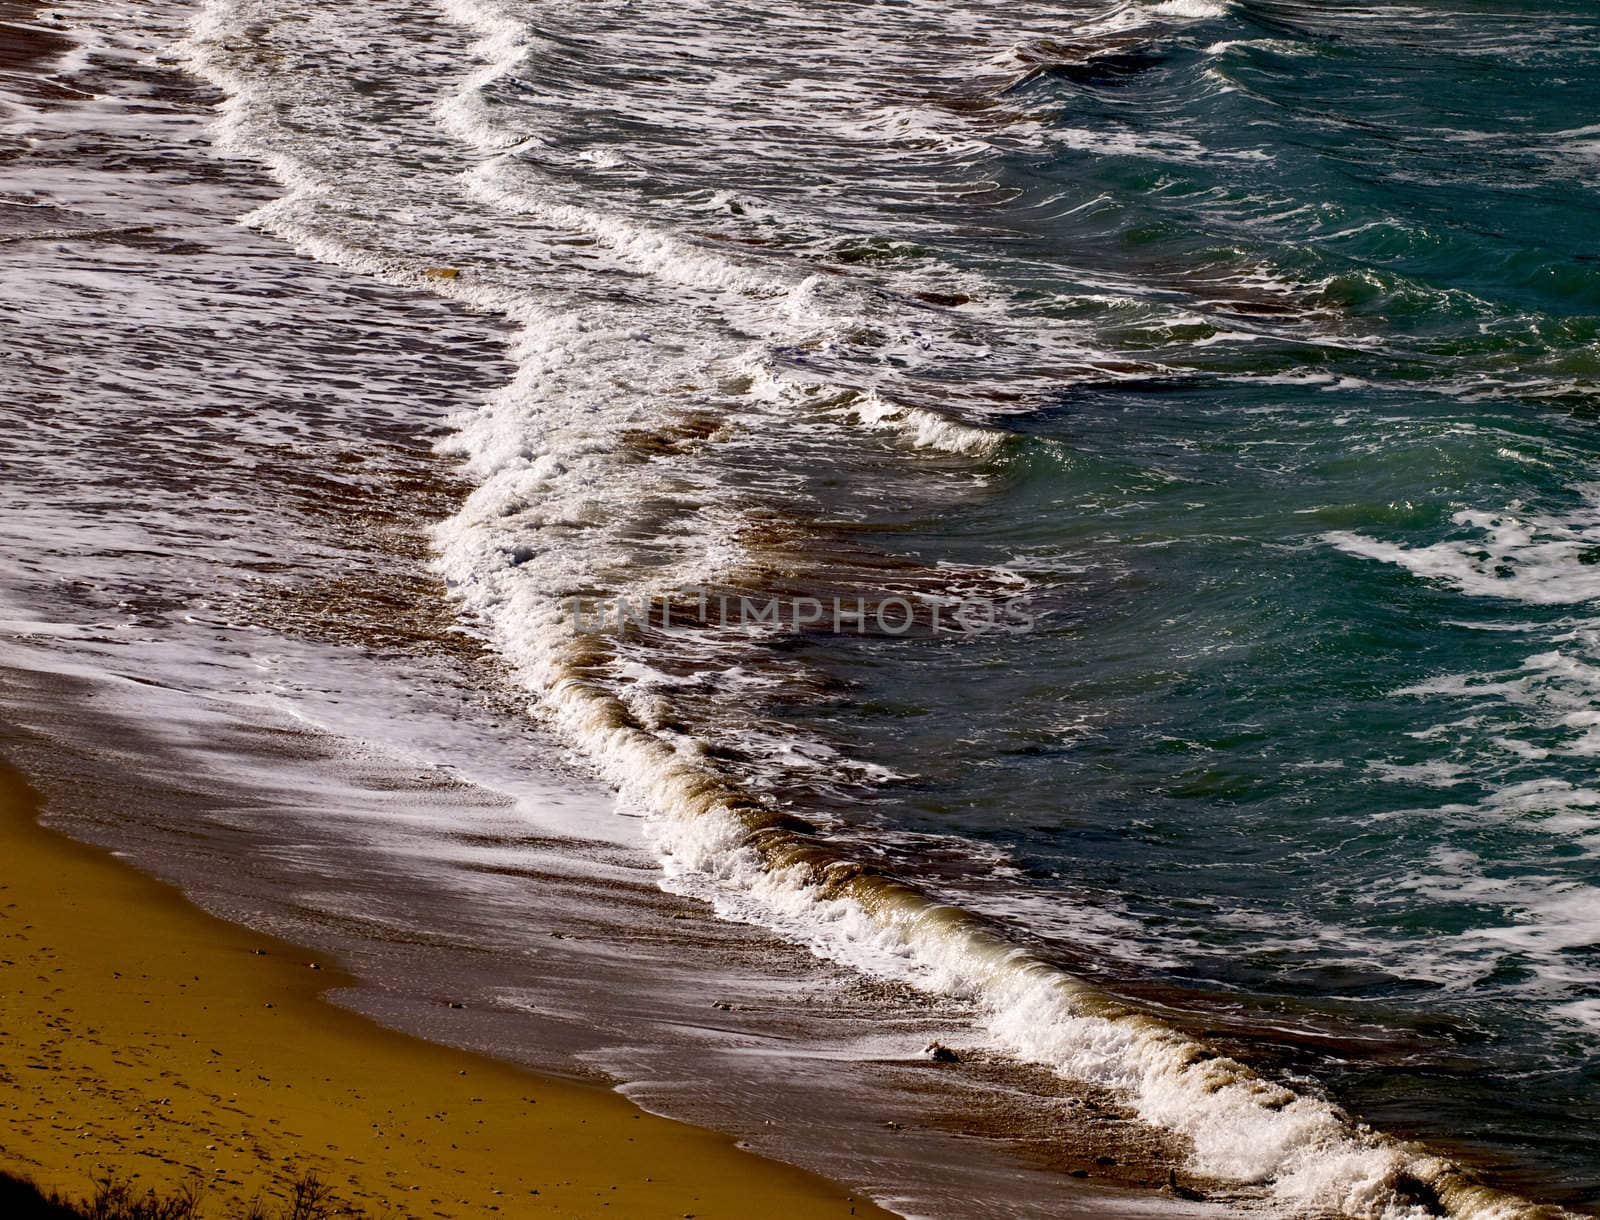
680,609
146,1040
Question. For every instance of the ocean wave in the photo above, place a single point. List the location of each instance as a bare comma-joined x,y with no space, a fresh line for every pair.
756,863
561,505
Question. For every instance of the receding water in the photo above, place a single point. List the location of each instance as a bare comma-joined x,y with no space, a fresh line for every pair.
1255,345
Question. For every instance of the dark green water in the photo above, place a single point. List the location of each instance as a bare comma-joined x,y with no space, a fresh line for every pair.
1306,742
1291,315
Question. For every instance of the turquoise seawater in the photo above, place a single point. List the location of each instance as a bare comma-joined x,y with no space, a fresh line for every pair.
1304,744
1256,343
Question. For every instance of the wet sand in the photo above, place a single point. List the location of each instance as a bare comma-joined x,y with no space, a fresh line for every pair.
143,1038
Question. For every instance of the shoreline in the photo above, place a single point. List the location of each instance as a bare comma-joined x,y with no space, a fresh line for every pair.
574,963
428,1018
149,1040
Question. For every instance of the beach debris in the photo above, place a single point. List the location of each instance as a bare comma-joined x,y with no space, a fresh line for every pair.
940,1053
722,1004
442,273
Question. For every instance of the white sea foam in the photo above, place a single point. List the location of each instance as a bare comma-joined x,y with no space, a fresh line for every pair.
1155,146
1515,554
927,429
1242,1127
508,185
1536,914
1196,10
561,505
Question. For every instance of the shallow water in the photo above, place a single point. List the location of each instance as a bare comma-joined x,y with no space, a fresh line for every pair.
1253,345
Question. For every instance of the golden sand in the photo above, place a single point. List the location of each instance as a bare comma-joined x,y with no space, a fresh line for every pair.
144,1038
